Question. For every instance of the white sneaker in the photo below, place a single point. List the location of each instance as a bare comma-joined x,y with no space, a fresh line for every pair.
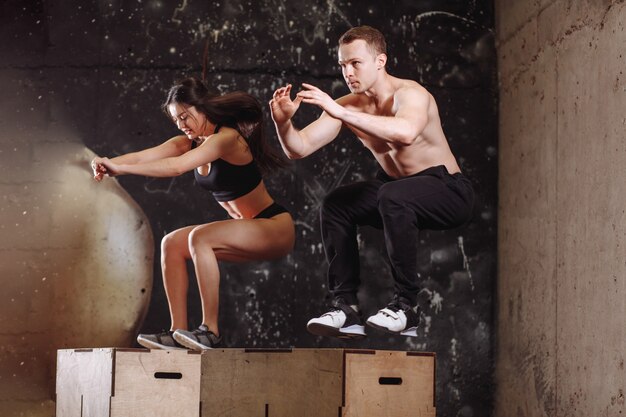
342,321
398,318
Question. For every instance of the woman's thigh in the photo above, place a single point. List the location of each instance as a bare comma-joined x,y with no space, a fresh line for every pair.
243,240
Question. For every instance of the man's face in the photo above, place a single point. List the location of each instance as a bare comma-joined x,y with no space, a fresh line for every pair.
359,65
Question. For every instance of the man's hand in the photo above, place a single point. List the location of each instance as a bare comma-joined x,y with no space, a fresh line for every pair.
281,105
313,95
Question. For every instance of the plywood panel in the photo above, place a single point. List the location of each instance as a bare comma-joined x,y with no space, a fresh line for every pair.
304,382
84,382
156,383
389,384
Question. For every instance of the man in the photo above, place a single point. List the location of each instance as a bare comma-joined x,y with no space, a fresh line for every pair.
419,186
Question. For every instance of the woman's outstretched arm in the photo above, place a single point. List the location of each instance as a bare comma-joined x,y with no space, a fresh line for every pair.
170,166
175,146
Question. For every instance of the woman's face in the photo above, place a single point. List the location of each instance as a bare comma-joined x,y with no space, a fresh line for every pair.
190,121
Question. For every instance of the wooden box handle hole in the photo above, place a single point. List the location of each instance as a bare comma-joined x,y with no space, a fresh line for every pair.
168,375
389,380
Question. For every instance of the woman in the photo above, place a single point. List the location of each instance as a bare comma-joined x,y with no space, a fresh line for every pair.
225,146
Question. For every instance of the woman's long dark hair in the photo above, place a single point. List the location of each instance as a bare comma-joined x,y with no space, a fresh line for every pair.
238,110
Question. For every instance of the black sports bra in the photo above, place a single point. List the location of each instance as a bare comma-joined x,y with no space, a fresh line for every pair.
228,181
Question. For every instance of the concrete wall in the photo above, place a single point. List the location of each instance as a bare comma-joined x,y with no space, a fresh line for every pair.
562,222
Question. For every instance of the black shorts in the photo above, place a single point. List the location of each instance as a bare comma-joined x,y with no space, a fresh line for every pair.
272,210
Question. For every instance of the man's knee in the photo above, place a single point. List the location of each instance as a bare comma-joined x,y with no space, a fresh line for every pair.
333,204
391,196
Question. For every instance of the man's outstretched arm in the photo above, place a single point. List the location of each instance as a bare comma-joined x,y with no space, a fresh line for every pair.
403,128
300,143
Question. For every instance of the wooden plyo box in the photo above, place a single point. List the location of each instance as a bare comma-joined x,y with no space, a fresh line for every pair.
114,382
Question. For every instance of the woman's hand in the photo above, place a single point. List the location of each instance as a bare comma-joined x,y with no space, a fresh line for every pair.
99,170
104,166
111,168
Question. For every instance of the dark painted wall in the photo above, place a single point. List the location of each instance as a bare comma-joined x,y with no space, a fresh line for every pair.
107,65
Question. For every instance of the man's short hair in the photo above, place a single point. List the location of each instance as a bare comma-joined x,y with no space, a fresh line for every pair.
374,39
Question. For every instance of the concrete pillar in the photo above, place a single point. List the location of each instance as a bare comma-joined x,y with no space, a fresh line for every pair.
562,221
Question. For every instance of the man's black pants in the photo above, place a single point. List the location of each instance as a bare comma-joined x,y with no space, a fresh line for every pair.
431,199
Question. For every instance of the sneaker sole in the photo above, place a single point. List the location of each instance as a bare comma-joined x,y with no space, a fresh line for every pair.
189,343
410,332
351,332
155,345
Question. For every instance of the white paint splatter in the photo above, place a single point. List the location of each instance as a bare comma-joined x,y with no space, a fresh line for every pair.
178,10
265,272
299,52
421,16
456,394
436,302
453,353
427,322
304,224
466,265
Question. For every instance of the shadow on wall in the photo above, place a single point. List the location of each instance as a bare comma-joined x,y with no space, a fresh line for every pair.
75,259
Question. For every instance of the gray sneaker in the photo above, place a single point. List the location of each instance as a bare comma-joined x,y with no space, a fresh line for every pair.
163,340
200,339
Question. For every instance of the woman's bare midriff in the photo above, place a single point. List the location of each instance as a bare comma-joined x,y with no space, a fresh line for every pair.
249,205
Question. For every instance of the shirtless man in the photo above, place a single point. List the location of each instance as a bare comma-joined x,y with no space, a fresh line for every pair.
419,185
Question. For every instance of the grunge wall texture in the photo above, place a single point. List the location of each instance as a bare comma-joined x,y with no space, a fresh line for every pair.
100,69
